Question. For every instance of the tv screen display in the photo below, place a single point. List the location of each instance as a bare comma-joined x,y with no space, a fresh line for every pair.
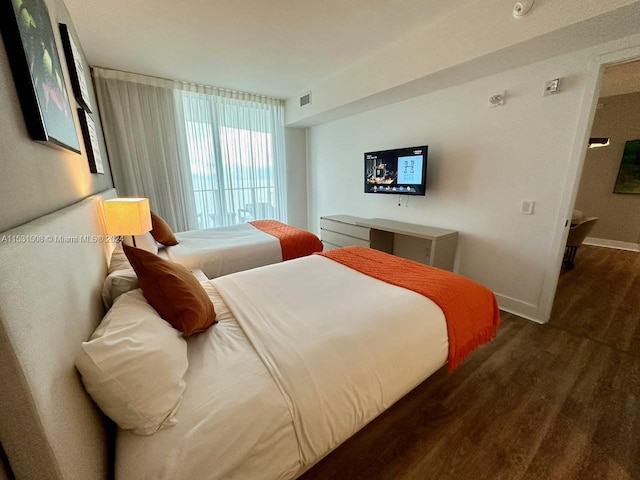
401,171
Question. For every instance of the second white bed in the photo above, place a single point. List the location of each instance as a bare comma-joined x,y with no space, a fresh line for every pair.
224,250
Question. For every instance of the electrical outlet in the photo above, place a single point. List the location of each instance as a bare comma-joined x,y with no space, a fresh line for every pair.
551,87
527,207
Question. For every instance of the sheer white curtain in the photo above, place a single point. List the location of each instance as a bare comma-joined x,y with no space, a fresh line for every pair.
203,156
236,151
142,132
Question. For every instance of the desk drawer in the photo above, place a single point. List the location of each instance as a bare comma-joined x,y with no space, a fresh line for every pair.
346,229
342,240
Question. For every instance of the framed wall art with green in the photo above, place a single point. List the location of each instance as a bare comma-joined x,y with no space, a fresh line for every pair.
628,180
37,72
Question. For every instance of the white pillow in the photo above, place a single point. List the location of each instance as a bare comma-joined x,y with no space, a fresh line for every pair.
133,366
121,278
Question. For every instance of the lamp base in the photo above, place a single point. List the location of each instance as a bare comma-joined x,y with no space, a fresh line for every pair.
129,240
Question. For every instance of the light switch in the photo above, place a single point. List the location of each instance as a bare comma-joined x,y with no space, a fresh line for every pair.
527,207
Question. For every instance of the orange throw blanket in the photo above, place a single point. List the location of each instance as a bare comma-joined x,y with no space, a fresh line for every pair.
470,309
294,242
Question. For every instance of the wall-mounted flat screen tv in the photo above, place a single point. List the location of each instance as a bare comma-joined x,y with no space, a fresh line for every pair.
401,171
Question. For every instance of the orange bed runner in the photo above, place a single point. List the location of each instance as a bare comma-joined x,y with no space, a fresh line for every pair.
294,241
470,309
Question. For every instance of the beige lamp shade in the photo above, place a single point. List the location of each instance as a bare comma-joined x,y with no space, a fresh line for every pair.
127,216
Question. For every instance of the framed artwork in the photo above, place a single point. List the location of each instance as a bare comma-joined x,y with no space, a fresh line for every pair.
76,68
628,180
91,144
37,72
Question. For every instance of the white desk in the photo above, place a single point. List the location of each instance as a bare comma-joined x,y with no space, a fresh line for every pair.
428,245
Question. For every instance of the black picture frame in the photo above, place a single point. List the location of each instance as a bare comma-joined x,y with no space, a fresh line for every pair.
76,68
91,143
628,179
37,72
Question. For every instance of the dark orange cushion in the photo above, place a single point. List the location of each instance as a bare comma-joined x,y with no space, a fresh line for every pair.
173,291
161,231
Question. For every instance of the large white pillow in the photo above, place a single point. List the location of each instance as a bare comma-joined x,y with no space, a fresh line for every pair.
133,366
121,278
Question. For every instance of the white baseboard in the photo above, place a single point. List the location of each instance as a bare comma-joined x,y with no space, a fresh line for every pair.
603,242
520,308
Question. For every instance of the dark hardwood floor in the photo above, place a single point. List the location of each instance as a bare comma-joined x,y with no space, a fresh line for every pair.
554,401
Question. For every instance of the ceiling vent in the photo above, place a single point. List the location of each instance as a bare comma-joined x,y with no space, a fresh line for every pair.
305,99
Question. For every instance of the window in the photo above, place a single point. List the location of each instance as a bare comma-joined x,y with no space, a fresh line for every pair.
236,156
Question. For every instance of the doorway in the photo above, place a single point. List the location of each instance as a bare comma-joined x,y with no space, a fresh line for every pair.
578,158
609,187
607,203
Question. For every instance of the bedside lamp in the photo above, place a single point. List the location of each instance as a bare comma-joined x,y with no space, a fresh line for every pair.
127,216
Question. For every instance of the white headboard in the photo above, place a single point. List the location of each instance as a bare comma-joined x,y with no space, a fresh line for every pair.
51,275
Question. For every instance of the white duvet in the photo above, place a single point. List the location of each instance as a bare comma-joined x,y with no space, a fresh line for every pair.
307,353
223,250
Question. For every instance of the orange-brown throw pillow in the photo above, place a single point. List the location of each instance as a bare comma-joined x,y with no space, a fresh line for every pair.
161,231
173,291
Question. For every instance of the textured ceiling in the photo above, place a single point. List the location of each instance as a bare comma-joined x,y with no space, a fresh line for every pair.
276,47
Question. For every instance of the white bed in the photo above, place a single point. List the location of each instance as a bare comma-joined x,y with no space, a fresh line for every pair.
224,250
305,353
213,251
267,403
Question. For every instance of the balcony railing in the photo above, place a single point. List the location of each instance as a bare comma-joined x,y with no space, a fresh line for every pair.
218,208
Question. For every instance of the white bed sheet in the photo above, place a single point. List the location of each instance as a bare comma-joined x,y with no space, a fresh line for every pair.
261,403
233,422
223,250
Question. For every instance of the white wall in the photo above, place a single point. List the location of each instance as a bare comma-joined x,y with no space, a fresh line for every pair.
482,163
296,153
